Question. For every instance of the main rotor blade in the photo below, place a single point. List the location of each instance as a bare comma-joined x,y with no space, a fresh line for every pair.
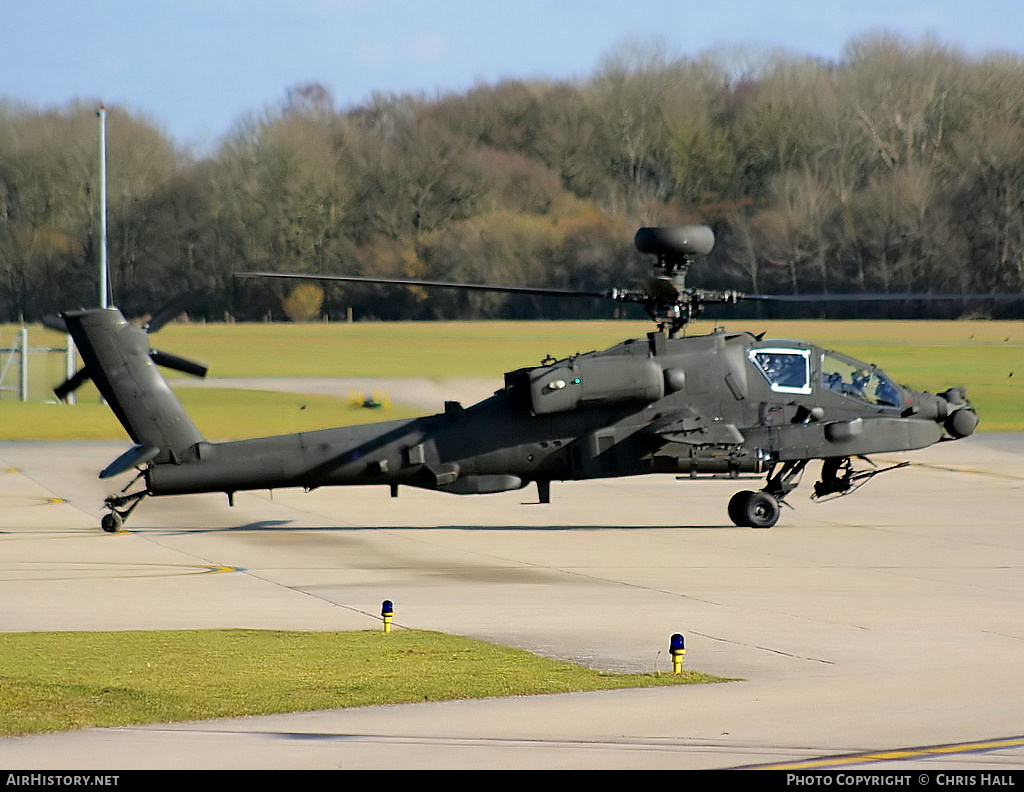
662,290
891,297
429,284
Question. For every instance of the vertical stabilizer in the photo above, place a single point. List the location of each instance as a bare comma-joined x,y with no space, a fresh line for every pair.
119,360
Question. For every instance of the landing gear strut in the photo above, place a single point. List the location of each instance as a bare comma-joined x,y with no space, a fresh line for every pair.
761,509
120,506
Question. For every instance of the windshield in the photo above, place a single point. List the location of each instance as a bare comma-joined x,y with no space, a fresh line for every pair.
853,378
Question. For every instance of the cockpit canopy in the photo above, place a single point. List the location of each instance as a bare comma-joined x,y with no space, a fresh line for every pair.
792,370
852,378
788,370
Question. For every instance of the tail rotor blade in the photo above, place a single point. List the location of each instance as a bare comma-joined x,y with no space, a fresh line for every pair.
77,380
170,310
184,365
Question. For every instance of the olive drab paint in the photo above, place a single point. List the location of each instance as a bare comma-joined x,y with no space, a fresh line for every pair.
725,403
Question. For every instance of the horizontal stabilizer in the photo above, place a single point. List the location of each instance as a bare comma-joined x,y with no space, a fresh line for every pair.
133,457
55,322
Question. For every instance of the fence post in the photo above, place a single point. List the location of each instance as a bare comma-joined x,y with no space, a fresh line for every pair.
23,385
69,366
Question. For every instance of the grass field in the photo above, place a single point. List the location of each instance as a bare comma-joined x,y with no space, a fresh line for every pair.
66,680
987,357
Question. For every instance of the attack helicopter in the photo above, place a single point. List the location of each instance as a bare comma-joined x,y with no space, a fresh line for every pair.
721,404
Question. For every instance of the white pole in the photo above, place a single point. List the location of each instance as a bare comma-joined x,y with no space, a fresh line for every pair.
69,365
23,385
102,113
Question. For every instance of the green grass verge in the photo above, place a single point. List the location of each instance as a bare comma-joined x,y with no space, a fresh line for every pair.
987,357
220,414
56,681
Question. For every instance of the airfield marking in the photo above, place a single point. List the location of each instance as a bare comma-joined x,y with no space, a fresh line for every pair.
894,755
13,501
173,570
948,469
951,469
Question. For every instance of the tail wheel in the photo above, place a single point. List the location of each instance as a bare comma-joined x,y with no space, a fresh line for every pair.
111,522
754,509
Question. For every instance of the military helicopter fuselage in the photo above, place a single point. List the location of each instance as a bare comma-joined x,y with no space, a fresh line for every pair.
723,404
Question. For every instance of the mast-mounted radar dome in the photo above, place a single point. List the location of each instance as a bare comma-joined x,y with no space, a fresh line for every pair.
680,241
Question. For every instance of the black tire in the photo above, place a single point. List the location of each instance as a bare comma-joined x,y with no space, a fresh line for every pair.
738,508
761,510
112,522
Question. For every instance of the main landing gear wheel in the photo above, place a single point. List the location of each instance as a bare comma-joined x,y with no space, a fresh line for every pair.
754,509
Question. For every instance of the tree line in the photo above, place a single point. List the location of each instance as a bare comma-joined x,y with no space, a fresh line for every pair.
898,168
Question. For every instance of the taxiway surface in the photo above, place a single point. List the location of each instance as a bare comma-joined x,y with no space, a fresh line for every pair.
890,619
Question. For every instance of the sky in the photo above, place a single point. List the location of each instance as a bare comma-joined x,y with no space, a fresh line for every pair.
196,67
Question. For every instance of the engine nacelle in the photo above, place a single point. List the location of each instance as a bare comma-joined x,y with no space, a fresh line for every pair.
600,380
